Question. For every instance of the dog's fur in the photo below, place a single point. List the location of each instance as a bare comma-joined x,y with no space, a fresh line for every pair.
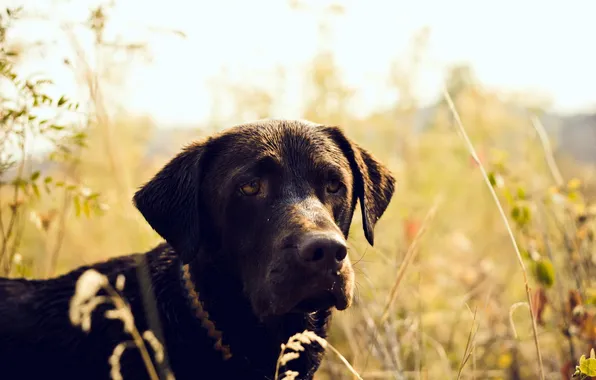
266,264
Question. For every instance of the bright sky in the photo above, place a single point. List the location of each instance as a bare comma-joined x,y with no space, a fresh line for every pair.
518,45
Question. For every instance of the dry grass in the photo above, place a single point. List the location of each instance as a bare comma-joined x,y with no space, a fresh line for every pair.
474,155
410,319
410,254
295,345
85,301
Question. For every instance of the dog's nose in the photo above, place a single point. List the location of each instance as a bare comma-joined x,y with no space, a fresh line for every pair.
324,250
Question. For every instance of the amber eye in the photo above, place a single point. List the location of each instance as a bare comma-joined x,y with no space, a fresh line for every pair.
333,186
251,188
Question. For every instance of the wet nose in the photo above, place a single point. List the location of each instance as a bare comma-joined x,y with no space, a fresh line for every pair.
323,250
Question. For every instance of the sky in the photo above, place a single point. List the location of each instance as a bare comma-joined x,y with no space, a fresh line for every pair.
538,46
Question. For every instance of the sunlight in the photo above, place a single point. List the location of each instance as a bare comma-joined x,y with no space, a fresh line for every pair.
261,35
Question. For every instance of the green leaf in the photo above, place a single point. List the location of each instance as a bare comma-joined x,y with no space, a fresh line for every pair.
574,184
62,100
48,179
545,272
508,196
77,205
35,175
515,213
492,179
86,209
93,196
36,189
521,193
525,254
590,297
521,215
57,127
573,196
19,182
587,366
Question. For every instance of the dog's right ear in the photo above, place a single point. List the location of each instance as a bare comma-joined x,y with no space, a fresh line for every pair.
170,201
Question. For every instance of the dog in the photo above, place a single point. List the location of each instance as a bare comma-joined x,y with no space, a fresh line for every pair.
255,221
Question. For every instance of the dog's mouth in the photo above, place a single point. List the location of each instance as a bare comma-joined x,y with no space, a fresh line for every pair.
315,293
323,300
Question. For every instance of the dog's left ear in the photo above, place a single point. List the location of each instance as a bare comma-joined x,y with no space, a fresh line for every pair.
373,182
170,201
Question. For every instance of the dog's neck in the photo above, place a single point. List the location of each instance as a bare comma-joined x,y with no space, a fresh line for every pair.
238,334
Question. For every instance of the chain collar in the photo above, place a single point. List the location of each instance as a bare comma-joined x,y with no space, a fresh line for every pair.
202,314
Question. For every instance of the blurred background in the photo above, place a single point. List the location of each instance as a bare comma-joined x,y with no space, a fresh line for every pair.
98,95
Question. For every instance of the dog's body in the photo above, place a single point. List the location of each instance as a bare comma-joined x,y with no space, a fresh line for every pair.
258,216
39,341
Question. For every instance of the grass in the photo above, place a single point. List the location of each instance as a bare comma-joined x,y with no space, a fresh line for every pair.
493,193
295,344
422,334
410,319
84,302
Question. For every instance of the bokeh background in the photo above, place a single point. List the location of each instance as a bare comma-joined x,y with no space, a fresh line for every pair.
97,96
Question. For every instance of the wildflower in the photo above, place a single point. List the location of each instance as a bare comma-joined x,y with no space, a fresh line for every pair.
85,299
115,361
155,345
124,314
120,280
290,375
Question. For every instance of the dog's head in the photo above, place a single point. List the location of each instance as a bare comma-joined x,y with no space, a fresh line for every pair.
272,202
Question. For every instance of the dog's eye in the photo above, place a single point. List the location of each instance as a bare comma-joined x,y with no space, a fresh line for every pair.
333,186
251,188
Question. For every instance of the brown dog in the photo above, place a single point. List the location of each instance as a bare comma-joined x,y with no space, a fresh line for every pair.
256,220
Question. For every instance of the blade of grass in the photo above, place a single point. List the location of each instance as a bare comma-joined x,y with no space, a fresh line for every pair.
410,254
469,345
474,155
548,151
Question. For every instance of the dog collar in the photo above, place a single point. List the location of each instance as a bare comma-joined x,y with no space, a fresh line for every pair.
202,314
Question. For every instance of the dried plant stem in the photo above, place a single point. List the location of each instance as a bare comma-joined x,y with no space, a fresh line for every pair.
474,155
5,253
558,178
297,342
91,78
560,288
136,336
512,309
344,361
410,254
548,151
62,218
469,345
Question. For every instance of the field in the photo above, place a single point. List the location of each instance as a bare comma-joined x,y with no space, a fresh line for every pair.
477,231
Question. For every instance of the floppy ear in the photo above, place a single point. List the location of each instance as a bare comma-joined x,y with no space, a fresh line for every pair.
373,182
170,201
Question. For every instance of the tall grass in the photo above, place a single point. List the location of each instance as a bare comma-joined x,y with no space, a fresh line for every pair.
441,248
